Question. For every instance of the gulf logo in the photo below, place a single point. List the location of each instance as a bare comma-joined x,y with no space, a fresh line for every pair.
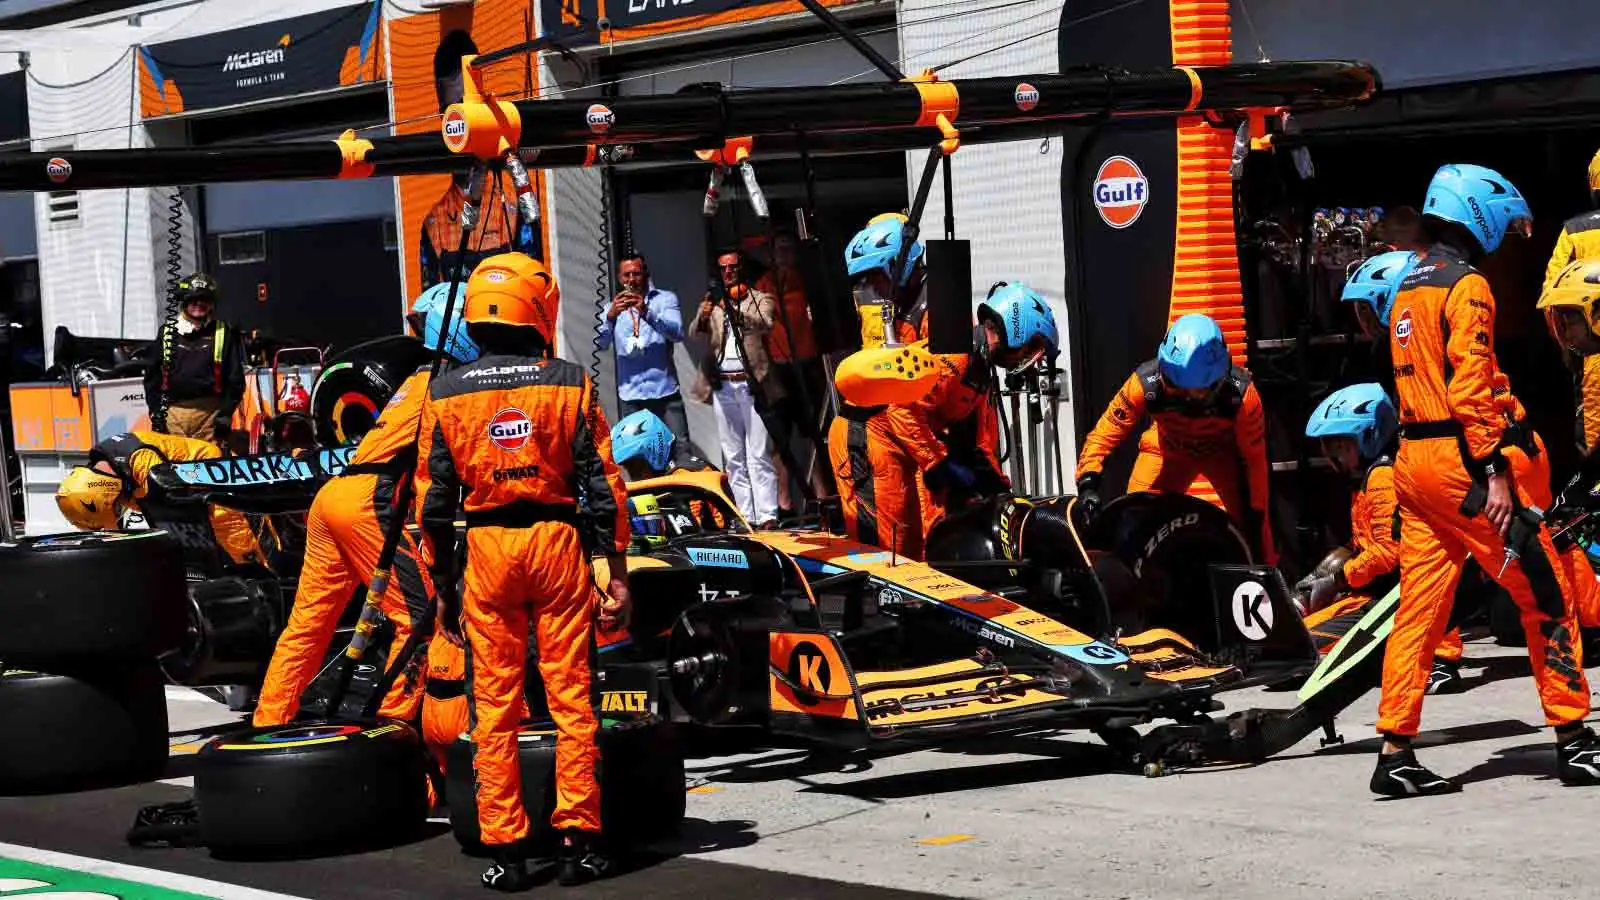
600,118
1120,191
58,170
1026,96
510,429
1402,328
455,130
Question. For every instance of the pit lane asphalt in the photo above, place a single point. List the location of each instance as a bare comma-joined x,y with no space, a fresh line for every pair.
1023,817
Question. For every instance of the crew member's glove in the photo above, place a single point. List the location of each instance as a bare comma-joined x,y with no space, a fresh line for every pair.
1089,495
1320,590
221,430
949,474
988,482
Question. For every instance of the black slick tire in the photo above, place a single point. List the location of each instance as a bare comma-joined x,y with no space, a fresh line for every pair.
91,596
311,788
96,728
641,780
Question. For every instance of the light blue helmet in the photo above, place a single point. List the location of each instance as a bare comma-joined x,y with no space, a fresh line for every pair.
1362,412
1194,355
1024,315
1377,280
642,435
1479,199
878,245
427,315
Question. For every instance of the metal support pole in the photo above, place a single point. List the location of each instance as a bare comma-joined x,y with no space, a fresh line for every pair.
8,528
889,69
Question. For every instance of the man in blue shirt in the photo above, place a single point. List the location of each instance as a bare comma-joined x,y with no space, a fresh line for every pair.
642,324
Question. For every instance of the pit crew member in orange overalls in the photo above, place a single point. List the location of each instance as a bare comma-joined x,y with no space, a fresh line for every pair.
516,439
95,496
1206,420
345,532
874,468
1372,289
1356,426
953,431
1457,492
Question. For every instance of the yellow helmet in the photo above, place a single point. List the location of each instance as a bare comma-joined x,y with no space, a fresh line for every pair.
1575,292
91,500
1594,173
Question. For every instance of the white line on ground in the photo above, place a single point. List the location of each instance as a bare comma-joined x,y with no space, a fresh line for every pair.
181,694
172,881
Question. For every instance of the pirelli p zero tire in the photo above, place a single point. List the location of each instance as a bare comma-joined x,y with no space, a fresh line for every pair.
1168,543
311,788
641,783
95,728
91,595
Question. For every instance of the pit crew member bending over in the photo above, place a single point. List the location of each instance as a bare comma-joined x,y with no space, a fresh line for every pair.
516,438
1456,491
953,431
1356,426
874,468
1206,419
93,497
345,532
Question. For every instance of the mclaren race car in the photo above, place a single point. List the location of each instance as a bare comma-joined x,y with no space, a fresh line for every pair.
1015,623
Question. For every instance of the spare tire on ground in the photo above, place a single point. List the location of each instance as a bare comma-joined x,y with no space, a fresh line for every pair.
311,788
97,727
91,595
640,774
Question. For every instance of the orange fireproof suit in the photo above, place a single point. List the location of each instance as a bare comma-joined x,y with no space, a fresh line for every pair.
132,455
877,474
1530,468
956,418
523,437
1453,430
1223,438
344,537
1370,572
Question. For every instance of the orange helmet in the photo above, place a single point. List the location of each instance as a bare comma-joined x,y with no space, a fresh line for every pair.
513,289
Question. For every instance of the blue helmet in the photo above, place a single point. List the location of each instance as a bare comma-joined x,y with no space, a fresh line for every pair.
1377,280
1024,315
642,435
1479,199
878,245
1194,355
428,316
1362,412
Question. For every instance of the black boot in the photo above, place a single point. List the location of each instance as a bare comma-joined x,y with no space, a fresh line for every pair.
1400,775
1445,677
509,872
1578,758
580,860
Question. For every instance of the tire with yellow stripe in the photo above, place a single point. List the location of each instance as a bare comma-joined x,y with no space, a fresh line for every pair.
311,787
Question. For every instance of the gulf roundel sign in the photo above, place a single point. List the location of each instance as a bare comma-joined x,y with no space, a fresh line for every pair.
1120,191
510,429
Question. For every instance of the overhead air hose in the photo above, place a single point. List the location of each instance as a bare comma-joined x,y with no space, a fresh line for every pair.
602,274
169,320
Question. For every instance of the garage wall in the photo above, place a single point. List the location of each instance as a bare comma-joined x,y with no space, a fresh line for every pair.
1007,196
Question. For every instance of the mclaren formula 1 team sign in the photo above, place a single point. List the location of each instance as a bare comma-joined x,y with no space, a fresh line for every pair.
315,52
575,21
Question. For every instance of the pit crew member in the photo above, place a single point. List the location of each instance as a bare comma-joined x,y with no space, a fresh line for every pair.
1580,239
95,496
345,533
1456,491
516,438
1206,420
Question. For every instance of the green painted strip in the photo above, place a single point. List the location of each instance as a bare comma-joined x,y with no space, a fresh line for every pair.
32,881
